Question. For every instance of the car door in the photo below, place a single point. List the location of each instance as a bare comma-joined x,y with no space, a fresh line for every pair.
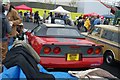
116,44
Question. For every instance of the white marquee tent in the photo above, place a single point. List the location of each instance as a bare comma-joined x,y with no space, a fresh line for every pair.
60,9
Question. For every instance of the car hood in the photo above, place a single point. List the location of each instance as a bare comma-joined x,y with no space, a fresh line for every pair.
71,41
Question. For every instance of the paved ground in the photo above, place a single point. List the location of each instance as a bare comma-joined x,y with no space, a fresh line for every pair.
115,70
29,25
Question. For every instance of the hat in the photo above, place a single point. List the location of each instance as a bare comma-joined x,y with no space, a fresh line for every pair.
5,1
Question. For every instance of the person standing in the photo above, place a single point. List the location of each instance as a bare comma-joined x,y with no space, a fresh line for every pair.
14,19
87,24
44,16
92,19
6,29
97,21
36,17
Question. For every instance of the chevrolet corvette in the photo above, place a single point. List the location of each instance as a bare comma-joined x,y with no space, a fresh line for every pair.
62,46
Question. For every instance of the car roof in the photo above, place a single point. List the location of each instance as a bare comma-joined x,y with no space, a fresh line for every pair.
57,25
109,27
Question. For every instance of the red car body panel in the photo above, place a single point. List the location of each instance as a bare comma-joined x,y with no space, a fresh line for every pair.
62,63
52,62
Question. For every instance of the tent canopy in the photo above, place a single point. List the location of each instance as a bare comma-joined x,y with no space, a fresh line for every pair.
60,10
23,7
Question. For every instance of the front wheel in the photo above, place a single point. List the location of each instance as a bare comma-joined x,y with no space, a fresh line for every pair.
109,58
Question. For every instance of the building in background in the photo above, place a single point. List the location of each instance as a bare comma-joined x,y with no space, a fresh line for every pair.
89,6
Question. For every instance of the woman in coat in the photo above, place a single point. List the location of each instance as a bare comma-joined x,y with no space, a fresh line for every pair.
14,19
6,29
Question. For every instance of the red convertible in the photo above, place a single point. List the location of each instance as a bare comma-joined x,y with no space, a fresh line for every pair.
62,46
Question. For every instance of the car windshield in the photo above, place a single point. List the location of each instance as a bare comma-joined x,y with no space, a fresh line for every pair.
58,32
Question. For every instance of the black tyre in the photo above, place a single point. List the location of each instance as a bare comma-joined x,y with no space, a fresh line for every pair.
109,58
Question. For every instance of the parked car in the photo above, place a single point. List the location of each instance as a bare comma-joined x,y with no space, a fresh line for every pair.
109,37
62,46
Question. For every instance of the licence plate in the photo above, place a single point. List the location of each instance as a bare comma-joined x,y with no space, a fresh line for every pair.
73,57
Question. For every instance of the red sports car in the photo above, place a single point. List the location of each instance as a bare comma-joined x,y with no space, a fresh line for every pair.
62,46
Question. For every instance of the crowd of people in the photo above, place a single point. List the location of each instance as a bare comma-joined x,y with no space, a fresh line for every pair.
87,23
83,23
35,17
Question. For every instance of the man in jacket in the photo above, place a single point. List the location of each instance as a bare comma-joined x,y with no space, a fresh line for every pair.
13,17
